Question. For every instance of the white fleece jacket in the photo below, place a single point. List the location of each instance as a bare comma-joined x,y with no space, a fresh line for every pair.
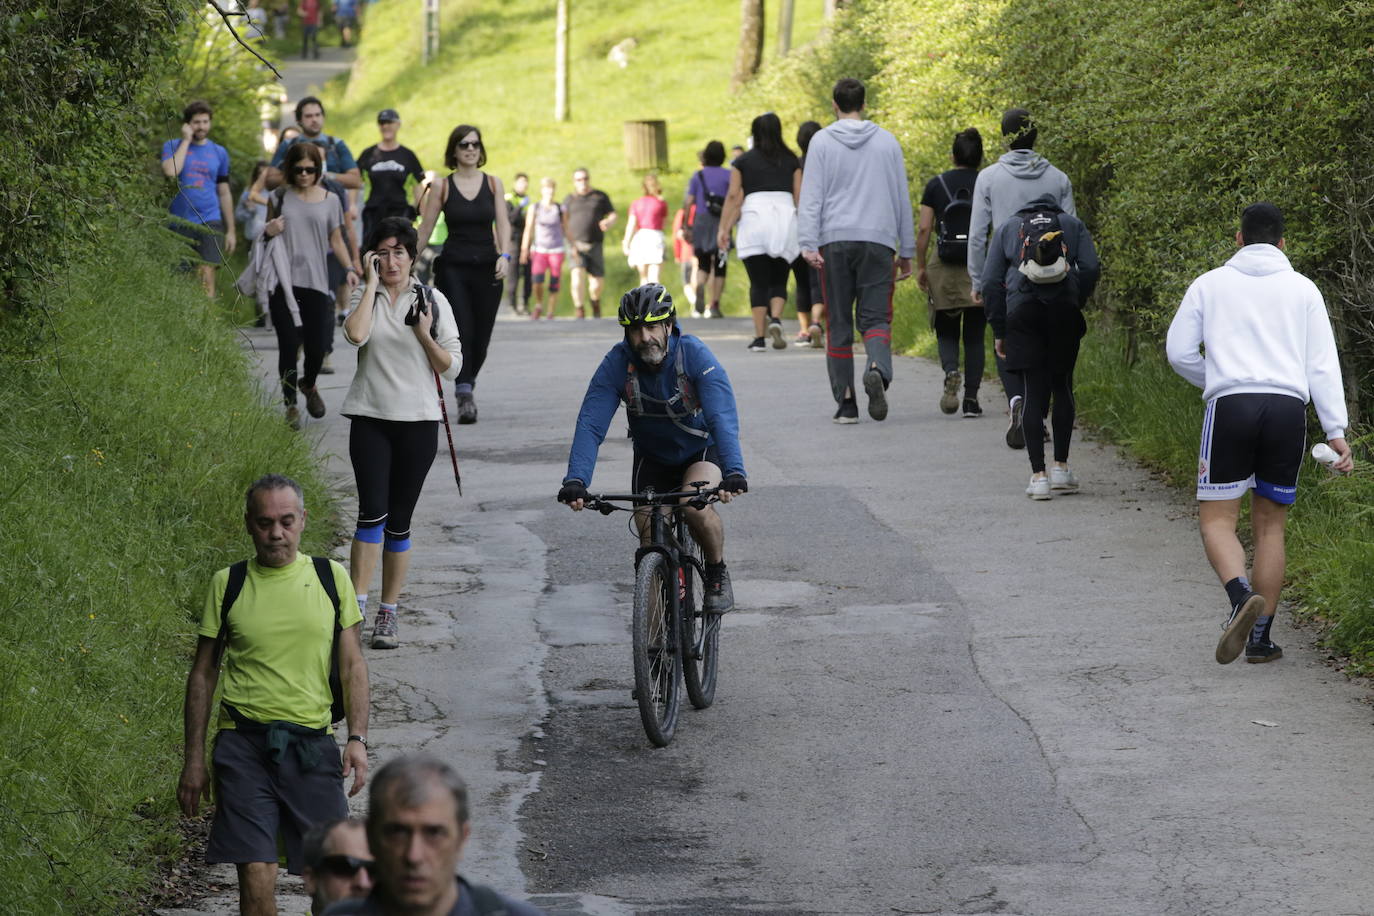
394,380
1265,330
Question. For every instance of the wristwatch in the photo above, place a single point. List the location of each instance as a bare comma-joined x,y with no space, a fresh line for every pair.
358,738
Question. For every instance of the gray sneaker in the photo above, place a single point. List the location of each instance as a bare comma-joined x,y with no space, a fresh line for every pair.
719,597
877,396
949,401
1236,629
384,631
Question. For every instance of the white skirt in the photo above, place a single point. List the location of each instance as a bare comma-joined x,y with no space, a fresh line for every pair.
768,225
646,247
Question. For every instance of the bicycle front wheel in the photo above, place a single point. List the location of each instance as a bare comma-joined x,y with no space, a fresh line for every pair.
700,637
657,659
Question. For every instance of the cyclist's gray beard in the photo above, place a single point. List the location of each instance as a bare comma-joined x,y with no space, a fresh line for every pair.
651,353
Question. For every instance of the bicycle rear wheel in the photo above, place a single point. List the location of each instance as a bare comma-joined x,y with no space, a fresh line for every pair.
654,634
700,637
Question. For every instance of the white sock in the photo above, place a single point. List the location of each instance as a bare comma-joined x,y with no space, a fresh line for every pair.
362,605
388,607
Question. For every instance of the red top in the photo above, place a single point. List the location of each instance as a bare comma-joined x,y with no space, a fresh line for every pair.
310,12
649,212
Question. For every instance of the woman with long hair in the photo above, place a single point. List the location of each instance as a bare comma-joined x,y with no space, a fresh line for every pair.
643,243
810,299
311,221
765,184
541,247
471,270
405,335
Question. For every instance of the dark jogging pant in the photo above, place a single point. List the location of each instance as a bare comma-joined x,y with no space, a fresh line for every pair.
857,282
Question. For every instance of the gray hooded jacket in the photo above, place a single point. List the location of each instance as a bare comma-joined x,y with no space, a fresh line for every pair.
1003,189
854,189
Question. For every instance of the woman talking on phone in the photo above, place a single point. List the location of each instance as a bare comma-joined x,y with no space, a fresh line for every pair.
405,335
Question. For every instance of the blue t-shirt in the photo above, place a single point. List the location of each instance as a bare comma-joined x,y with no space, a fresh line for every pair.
337,157
207,164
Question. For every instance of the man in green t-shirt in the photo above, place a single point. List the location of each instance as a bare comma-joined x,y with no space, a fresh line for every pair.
277,767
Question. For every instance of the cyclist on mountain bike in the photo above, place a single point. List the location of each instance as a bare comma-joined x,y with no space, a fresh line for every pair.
682,421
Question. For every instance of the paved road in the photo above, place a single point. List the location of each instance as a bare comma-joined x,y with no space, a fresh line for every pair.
936,696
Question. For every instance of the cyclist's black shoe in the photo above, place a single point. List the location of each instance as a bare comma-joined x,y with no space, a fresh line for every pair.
1266,651
719,597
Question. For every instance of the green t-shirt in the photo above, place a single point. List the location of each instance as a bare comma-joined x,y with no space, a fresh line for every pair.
281,631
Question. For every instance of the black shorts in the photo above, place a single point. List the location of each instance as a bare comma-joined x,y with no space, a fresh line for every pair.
1252,441
711,260
206,238
257,800
589,257
666,478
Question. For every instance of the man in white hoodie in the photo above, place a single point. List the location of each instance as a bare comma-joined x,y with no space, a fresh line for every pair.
854,215
1269,350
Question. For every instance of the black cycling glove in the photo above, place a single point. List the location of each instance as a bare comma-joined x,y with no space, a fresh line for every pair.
572,491
735,483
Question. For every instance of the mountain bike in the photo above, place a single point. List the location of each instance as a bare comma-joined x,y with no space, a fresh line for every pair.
675,643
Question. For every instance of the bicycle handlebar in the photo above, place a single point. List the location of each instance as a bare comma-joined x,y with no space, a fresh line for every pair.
698,498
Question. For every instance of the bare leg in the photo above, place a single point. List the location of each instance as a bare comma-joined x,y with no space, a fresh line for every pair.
362,564
594,285
258,888
1218,520
538,298
760,319
207,279
775,306
395,565
578,273
705,524
651,272
1267,520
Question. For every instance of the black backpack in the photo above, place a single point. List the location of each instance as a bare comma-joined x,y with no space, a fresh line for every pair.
1044,255
951,242
238,574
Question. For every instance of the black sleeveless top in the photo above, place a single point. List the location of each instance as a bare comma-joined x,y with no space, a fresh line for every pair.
470,236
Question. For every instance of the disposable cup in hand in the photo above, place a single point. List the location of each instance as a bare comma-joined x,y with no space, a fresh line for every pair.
1324,453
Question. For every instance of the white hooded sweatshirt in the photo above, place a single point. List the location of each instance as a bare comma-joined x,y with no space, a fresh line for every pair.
1265,330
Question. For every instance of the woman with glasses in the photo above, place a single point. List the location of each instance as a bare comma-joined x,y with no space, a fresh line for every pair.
310,221
471,270
405,335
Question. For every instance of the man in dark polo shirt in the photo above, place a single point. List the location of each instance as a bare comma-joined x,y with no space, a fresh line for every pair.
590,213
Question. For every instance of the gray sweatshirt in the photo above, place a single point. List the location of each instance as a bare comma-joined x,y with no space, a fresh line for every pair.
1004,188
854,189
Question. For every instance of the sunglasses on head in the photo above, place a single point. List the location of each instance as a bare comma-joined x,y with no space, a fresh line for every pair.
469,144
305,170
346,866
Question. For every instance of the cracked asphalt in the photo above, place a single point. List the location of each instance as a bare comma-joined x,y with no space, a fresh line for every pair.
936,696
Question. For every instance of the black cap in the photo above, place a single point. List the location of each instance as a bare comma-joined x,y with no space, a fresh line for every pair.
387,114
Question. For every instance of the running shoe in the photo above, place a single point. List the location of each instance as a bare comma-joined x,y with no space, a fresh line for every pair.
775,332
1016,437
848,412
714,312
1236,629
719,597
314,404
972,409
698,313
757,345
802,338
1039,488
467,409
1063,480
1258,652
293,417
877,396
384,631
815,335
949,401
327,367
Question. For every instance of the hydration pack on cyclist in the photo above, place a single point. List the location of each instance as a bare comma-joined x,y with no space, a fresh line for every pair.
682,404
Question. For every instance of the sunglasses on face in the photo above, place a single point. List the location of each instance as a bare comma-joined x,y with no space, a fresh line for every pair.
469,144
305,170
346,866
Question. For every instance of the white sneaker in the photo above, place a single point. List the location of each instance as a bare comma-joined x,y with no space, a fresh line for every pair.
1039,488
1063,479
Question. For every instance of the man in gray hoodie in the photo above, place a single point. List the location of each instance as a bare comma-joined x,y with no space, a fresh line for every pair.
854,216
1020,176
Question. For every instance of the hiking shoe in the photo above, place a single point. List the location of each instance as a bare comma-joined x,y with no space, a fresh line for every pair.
293,417
949,401
757,345
877,397
384,631
848,412
467,409
1039,488
1236,629
1063,479
1257,652
815,335
326,367
314,404
719,597
775,332
972,409
1016,436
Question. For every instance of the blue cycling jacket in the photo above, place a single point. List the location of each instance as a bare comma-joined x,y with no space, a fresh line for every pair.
659,437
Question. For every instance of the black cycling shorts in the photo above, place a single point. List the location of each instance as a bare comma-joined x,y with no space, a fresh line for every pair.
666,478
1252,441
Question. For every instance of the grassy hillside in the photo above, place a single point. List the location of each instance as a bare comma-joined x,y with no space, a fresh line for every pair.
495,70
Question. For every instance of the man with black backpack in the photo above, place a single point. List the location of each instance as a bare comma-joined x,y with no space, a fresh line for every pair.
946,208
279,623
1040,270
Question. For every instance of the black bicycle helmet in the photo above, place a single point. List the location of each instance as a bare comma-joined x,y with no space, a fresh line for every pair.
647,304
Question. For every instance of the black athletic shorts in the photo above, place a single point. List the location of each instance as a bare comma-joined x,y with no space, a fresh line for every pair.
1252,441
711,260
666,478
590,257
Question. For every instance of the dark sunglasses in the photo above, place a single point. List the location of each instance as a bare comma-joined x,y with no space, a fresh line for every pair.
305,170
346,866
469,144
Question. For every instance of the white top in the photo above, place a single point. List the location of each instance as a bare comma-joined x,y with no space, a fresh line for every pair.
768,225
394,380
1265,330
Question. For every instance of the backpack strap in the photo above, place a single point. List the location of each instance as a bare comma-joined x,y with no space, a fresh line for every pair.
949,198
486,901
274,202
238,574
325,571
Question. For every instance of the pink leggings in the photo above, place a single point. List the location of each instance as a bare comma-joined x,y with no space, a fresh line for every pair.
552,262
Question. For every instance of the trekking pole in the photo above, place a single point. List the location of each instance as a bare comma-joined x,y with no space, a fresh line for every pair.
443,409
